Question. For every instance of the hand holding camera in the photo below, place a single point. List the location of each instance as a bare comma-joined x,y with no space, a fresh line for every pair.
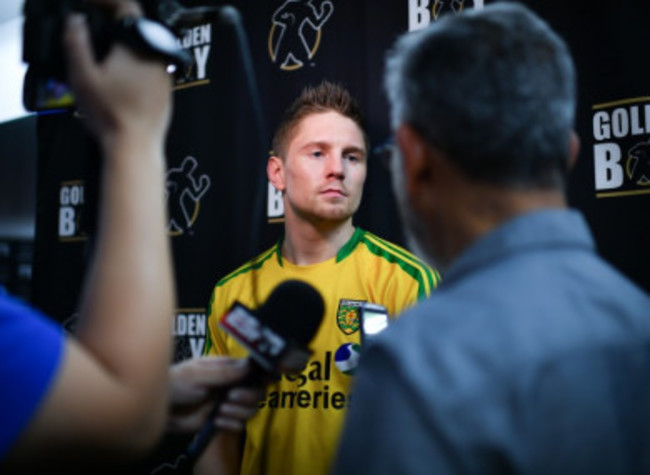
109,23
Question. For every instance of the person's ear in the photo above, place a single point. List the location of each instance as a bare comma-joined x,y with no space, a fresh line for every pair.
275,172
574,150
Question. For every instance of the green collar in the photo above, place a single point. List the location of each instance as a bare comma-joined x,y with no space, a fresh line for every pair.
344,252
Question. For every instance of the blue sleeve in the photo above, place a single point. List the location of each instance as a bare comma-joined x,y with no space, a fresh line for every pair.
31,347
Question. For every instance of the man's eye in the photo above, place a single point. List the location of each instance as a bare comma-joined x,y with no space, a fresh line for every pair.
353,158
317,153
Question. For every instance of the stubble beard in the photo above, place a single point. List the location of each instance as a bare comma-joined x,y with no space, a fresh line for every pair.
321,214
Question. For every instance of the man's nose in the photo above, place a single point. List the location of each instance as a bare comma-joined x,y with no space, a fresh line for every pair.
335,166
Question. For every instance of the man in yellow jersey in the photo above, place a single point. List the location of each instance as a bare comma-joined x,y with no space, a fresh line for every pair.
319,165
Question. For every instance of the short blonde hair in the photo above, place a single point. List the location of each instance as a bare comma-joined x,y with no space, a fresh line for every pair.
325,97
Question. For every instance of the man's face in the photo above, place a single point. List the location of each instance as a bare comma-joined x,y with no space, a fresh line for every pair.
417,235
324,169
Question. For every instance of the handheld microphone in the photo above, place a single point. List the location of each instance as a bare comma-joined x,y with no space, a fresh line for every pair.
276,336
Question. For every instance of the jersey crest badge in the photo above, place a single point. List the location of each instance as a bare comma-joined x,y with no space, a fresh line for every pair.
347,316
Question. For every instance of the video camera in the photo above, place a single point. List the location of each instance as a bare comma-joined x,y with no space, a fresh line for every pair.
154,34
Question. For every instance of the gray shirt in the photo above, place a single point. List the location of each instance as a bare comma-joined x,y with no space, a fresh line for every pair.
533,356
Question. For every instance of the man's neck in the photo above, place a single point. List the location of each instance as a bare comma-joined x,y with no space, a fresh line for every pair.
307,243
483,209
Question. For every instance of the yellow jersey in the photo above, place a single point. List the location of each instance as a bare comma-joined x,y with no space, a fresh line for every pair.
297,428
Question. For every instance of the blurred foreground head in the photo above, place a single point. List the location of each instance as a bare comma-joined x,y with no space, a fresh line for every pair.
482,105
493,89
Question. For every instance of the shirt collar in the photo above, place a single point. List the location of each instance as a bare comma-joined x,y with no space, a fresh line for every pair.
344,252
538,229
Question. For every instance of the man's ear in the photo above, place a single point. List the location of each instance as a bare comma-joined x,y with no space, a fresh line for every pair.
275,172
574,149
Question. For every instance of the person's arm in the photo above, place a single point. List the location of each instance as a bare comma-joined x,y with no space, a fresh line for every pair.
110,392
223,453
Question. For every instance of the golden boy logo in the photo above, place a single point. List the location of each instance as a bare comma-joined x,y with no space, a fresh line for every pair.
423,12
71,204
197,41
621,147
189,330
296,32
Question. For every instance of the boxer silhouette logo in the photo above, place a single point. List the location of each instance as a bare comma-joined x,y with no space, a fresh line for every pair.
637,166
184,192
296,32
441,7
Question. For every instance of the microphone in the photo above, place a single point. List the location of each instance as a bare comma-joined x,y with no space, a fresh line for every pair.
276,336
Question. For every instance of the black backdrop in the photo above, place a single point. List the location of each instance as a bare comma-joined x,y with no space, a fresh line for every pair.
221,212
220,208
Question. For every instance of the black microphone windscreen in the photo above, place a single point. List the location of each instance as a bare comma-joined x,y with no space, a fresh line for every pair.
294,309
